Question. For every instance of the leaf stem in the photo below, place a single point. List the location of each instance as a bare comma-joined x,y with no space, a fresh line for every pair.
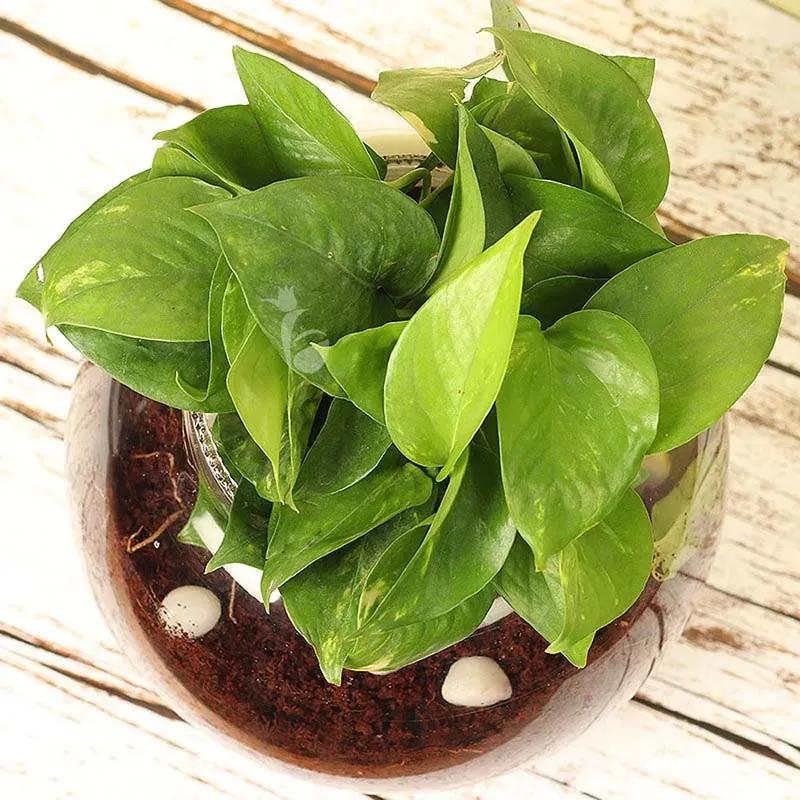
445,184
412,178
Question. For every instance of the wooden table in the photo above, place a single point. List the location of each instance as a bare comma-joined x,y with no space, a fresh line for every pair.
86,83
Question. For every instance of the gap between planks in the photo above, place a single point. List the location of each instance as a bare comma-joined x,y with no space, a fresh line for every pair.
92,67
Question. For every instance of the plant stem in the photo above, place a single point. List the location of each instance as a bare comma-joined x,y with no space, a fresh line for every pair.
445,184
411,178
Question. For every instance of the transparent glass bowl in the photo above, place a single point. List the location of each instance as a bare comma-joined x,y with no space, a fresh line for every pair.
252,679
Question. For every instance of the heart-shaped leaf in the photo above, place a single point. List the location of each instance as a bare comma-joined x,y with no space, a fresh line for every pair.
480,210
329,270
579,233
304,133
242,456
448,364
512,158
237,321
386,651
324,523
538,598
467,543
576,414
710,311
227,142
600,107
604,571
171,161
426,98
358,363
141,244
349,446
506,15
322,601
642,70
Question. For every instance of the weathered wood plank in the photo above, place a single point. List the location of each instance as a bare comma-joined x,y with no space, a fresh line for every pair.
72,738
173,51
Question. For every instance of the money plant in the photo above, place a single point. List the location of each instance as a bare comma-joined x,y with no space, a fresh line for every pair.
431,392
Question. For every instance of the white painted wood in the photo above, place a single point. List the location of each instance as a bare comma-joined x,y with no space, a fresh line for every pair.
737,670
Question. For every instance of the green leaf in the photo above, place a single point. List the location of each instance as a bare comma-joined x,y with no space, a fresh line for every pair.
139,245
576,414
619,141
480,211
324,523
276,406
237,321
349,446
258,382
304,133
213,392
358,363
389,568
710,311
380,162
227,142
385,651
603,572
240,452
579,233
329,269
512,158
206,514
518,118
245,539
555,297
426,98
170,161
506,15
448,364
32,285
148,367
465,547
485,91
537,597
680,518
322,600
642,70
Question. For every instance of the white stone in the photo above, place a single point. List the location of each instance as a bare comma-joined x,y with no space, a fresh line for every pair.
190,611
476,682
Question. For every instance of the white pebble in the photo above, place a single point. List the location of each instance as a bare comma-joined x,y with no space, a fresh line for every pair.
190,611
477,682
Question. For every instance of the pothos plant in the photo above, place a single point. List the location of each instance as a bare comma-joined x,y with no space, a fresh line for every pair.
429,398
